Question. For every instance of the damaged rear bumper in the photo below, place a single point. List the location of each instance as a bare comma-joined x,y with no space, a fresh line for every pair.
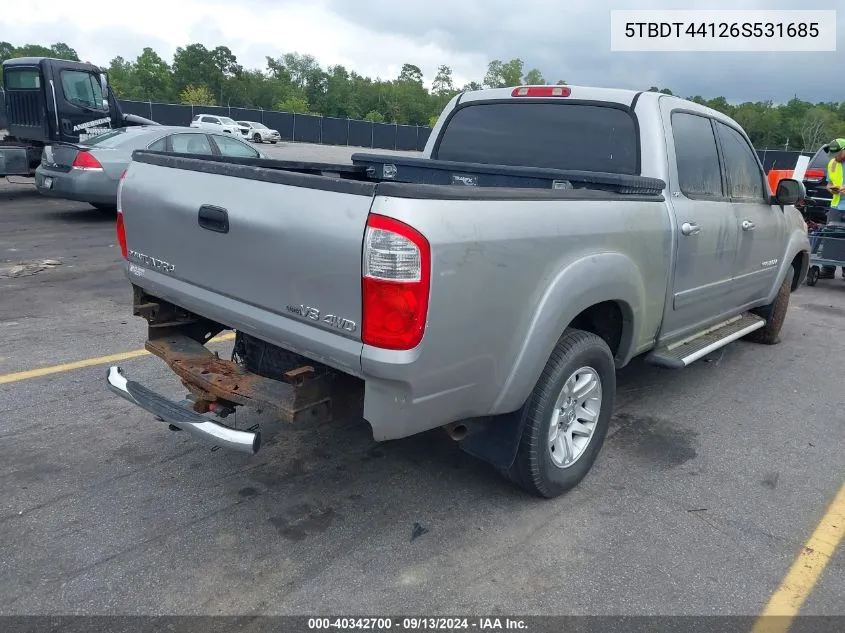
217,386
203,427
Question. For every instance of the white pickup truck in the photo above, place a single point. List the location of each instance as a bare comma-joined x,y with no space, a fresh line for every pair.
548,235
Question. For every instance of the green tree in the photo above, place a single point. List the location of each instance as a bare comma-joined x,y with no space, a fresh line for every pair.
374,116
297,105
504,74
151,77
534,78
193,65
196,95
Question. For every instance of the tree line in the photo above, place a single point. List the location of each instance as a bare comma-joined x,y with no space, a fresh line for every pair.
295,82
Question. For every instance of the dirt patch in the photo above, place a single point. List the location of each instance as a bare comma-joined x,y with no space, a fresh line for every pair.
25,269
654,440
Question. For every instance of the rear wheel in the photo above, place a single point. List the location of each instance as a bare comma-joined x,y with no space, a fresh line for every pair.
257,138
566,416
813,275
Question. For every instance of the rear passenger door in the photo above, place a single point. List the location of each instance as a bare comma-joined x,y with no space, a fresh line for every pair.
761,225
706,232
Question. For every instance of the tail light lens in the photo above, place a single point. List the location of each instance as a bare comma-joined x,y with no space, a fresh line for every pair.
121,230
814,174
84,160
395,284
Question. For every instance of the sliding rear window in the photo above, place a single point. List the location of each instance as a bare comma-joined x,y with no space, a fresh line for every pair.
552,135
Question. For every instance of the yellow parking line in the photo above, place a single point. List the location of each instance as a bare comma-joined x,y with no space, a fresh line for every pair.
90,362
799,581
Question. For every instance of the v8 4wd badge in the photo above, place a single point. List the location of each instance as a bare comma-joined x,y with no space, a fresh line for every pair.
313,314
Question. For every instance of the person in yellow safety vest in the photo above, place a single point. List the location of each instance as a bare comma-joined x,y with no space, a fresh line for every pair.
835,184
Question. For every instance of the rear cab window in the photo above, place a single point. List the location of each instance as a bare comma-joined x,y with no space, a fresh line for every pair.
23,78
576,136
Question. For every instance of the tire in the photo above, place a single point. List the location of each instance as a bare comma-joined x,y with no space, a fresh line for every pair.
813,275
272,142
257,138
538,467
774,313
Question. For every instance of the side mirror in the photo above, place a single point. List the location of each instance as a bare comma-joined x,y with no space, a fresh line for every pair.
790,191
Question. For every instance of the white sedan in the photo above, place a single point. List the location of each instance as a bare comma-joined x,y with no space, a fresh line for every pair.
259,132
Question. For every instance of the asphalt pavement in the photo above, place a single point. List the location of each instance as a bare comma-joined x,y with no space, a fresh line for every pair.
710,482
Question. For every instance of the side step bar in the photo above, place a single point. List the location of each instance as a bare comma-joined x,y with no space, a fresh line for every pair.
204,427
682,353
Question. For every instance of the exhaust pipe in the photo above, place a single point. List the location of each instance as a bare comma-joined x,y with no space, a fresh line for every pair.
456,430
175,414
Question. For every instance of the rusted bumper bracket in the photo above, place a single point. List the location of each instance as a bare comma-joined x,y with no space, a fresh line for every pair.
221,384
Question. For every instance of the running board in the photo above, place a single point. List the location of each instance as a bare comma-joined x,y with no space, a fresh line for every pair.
682,353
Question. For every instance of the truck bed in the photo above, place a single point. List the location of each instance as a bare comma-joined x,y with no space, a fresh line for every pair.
382,168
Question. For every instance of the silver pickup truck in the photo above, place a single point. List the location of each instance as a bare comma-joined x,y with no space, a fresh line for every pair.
546,237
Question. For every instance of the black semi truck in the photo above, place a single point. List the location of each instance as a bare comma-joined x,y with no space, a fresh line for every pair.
54,101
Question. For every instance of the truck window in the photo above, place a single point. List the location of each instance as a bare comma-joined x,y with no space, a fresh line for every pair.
819,160
82,88
23,79
230,147
745,179
551,135
699,173
190,144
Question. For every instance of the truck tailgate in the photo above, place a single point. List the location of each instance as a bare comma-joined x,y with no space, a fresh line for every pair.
288,244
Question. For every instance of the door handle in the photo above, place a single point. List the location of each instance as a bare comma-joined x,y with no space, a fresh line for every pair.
213,218
747,225
690,228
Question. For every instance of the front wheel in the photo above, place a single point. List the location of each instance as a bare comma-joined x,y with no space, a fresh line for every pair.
774,313
567,416
257,138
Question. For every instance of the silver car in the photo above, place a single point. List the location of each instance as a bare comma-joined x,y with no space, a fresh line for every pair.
90,171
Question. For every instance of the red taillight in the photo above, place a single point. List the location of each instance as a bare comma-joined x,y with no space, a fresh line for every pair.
395,284
541,91
814,174
84,160
121,230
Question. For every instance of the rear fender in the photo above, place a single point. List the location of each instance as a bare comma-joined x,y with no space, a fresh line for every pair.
581,284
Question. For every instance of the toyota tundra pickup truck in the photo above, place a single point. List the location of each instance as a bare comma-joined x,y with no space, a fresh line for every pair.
547,236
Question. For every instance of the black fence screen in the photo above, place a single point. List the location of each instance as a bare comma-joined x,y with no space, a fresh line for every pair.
3,121
360,134
384,136
335,131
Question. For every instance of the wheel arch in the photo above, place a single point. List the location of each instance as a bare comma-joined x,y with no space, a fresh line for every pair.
603,294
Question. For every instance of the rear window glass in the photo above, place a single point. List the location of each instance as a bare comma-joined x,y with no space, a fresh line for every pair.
23,79
820,160
109,139
552,135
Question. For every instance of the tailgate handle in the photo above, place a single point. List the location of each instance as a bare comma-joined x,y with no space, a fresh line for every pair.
214,218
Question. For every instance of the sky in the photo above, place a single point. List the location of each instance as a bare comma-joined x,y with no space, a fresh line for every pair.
564,39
